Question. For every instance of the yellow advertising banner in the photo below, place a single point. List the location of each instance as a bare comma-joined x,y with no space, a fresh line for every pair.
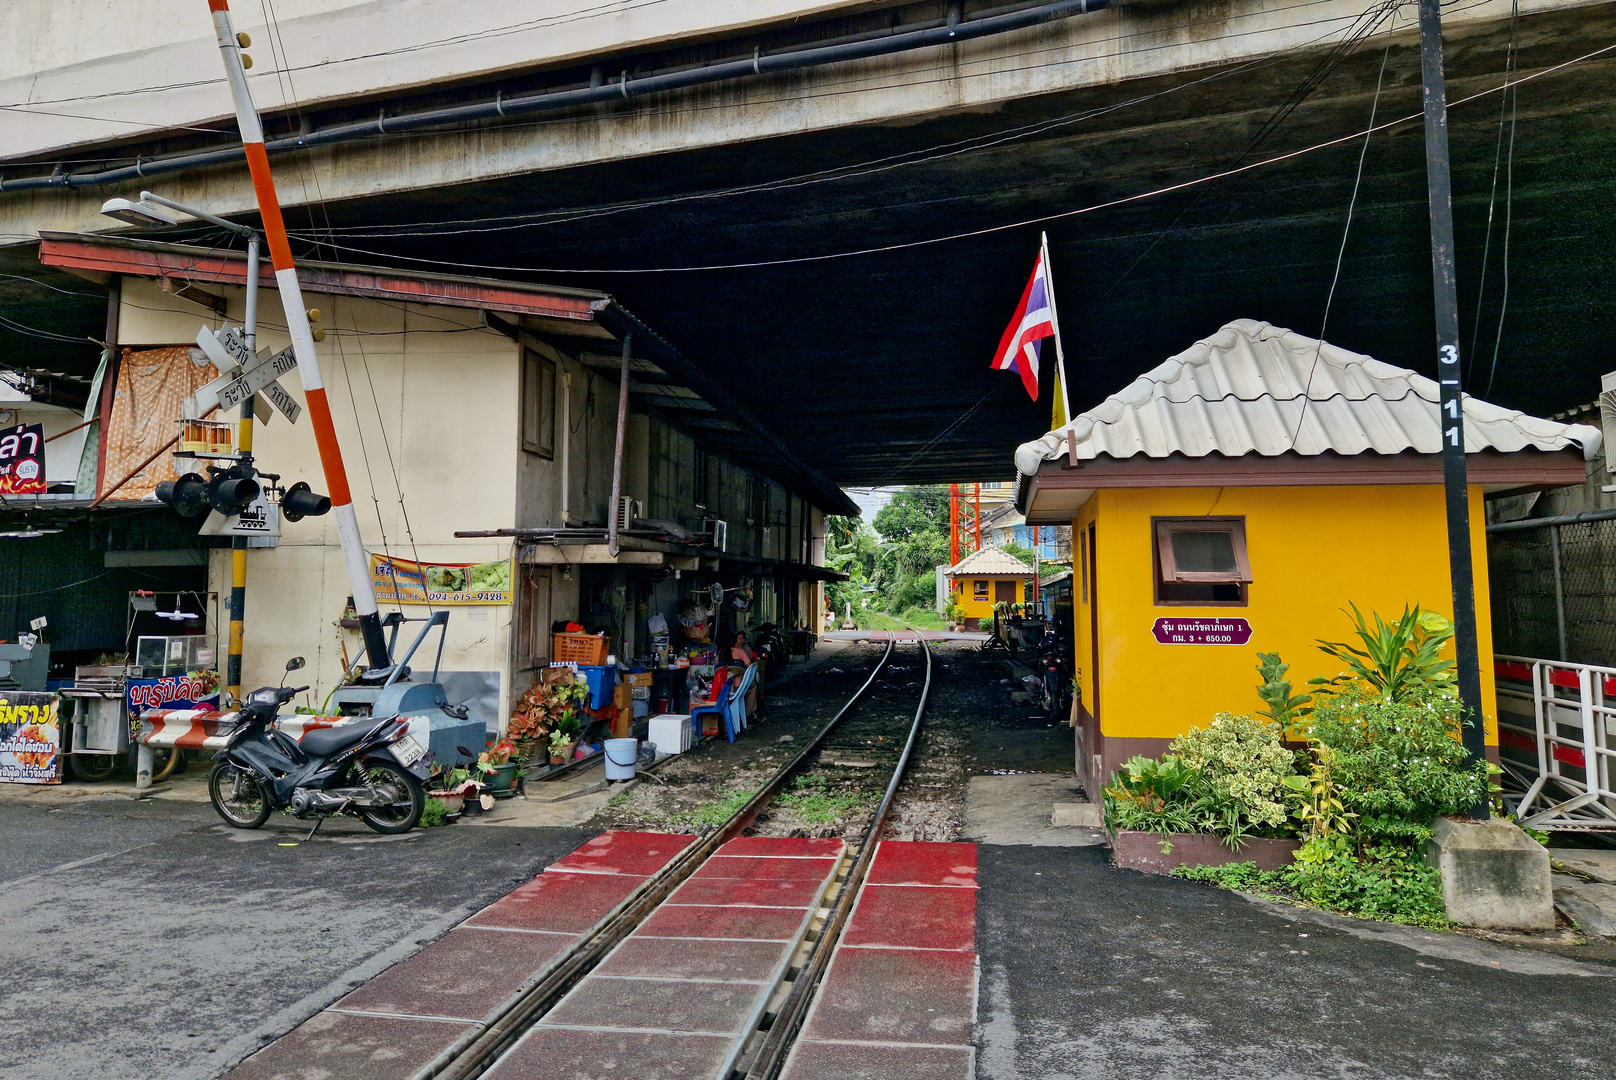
400,581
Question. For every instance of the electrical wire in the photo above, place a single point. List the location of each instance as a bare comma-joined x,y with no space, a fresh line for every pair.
992,229
1509,210
1341,253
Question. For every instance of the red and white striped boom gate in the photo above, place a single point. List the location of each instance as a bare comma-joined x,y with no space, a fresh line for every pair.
297,322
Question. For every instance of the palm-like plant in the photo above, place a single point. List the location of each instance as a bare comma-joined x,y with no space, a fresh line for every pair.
1398,658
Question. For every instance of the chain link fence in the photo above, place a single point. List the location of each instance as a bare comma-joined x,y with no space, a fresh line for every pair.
1531,617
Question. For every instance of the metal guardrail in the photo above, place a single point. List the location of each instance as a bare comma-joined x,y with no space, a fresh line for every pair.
1564,759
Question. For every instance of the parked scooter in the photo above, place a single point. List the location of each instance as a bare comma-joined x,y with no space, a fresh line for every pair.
369,769
1051,681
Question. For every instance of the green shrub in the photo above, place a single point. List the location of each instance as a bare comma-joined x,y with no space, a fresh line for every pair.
1243,876
434,813
1398,764
1243,765
1397,660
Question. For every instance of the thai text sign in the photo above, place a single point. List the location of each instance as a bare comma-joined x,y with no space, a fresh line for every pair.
1202,631
180,691
400,581
30,738
22,460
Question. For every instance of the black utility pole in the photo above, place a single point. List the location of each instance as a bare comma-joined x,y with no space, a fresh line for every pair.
1439,182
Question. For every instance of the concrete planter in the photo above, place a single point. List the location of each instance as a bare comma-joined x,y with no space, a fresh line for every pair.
1143,851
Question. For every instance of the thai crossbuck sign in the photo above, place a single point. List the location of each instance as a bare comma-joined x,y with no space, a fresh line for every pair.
244,375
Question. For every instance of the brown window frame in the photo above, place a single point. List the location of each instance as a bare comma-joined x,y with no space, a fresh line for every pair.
980,589
538,420
1170,581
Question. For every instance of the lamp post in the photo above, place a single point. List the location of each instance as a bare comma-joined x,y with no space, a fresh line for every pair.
154,210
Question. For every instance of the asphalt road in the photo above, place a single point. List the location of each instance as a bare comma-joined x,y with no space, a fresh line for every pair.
1096,973
145,940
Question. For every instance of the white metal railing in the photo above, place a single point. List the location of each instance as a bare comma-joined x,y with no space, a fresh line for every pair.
1557,741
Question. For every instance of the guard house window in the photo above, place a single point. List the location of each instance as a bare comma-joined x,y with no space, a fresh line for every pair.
1201,561
979,589
538,404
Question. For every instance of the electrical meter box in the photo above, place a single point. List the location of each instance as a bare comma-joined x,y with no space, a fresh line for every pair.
156,656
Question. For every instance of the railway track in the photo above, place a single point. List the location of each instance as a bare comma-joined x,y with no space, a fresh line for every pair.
875,739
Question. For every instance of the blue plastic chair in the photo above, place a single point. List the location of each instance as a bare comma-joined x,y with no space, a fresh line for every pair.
721,707
737,700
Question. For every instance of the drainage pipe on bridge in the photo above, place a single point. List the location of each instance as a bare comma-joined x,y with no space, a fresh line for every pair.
885,43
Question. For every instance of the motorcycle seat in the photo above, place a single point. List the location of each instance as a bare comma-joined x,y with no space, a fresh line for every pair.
323,742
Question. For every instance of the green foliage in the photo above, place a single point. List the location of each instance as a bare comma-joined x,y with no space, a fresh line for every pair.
1322,812
1243,765
1284,708
814,801
1398,659
1233,778
1243,876
716,813
1020,553
434,813
1399,764
917,591
917,509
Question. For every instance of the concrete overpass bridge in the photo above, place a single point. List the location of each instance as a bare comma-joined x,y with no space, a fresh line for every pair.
832,207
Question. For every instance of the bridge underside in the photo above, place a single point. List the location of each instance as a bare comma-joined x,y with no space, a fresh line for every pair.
874,366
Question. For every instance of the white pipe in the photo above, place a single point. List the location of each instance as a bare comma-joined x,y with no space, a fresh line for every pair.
566,447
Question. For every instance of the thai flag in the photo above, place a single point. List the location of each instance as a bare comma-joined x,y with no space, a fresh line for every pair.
1033,321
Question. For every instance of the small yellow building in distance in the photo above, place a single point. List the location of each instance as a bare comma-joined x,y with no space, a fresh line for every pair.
1236,498
987,577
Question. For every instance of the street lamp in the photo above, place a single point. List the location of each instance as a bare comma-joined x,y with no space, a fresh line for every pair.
153,210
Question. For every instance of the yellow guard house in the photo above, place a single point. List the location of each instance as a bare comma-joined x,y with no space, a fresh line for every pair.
984,578
1235,499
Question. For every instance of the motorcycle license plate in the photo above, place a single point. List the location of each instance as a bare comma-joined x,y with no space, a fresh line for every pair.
408,751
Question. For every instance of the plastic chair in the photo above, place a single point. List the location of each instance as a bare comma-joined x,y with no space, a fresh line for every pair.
737,699
721,707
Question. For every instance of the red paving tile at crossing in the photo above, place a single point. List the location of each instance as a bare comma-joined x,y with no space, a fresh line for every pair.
624,853
899,998
903,917
331,1044
764,868
924,864
395,1024
568,902
678,996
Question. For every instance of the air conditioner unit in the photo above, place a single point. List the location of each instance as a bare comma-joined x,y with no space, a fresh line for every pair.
627,510
717,533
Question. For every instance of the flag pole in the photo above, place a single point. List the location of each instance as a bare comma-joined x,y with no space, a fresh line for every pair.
297,324
1065,402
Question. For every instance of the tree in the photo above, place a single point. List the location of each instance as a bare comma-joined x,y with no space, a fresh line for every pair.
916,509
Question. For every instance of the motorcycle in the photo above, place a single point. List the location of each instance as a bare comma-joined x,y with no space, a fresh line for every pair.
373,770
1051,683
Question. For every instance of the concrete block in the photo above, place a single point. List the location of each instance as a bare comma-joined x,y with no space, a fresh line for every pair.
1082,815
1494,876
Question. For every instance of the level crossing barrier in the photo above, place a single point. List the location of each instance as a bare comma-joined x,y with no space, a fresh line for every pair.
1557,740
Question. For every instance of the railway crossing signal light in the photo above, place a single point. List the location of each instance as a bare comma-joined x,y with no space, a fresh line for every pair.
230,491
300,502
188,495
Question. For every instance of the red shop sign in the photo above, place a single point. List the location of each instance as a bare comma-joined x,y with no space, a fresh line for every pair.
1202,631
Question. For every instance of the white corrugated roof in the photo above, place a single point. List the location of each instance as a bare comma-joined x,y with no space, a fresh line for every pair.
989,561
1253,388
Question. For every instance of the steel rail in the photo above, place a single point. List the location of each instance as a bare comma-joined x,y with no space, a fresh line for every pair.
584,955
782,1033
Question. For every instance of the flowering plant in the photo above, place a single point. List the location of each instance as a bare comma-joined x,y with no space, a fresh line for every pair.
495,756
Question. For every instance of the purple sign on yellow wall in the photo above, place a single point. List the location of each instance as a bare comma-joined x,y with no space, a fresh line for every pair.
1202,631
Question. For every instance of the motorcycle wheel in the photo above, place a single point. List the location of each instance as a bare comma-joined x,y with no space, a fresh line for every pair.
237,796
94,768
409,798
165,759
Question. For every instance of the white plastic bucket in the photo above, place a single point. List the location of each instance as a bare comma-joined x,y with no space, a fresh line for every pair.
622,755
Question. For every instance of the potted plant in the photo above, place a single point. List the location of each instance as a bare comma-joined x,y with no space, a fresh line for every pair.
497,771
552,696
563,739
454,788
